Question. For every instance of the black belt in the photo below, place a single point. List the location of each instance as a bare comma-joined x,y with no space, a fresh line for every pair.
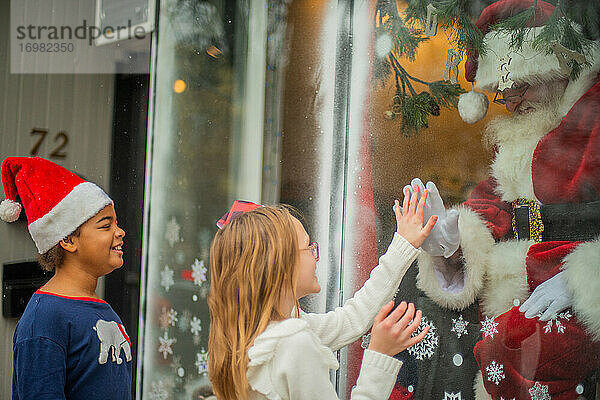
550,222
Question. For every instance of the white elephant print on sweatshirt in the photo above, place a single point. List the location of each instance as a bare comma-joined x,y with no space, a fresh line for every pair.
112,335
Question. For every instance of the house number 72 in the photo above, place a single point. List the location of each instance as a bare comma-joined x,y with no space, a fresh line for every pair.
60,137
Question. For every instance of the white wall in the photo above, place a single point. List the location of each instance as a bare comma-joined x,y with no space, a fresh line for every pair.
80,105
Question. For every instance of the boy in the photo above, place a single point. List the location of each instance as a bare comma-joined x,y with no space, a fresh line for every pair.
69,343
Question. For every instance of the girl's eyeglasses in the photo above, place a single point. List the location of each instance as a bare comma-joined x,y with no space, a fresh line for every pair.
314,248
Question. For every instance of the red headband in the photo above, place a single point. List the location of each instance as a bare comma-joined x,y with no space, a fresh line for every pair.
238,208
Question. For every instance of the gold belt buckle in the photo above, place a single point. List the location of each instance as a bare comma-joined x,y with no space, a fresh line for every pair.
536,226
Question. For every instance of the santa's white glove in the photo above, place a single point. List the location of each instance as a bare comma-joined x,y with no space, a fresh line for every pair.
444,239
548,299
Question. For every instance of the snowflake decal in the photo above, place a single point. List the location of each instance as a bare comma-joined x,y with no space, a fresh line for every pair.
167,318
198,272
166,343
166,278
202,362
495,372
172,232
426,347
539,392
159,391
452,396
366,339
196,326
489,327
184,321
554,321
459,326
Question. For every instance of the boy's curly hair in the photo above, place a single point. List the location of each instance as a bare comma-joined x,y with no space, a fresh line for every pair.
54,257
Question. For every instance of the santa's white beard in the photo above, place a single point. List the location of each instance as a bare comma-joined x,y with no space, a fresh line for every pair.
515,139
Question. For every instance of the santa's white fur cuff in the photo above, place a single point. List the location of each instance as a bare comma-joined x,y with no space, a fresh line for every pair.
476,243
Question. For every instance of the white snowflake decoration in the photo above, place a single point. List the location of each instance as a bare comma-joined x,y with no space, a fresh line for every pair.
166,278
202,362
426,347
539,392
452,396
184,321
199,272
196,326
166,343
495,372
502,398
159,391
366,339
459,326
489,327
172,232
554,321
167,317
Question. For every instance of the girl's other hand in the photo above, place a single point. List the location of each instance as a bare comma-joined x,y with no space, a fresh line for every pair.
392,334
409,218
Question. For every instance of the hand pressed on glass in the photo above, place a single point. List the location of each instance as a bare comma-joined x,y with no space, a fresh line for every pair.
392,334
409,218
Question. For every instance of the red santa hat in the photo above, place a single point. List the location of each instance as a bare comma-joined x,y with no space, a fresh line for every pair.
502,65
56,201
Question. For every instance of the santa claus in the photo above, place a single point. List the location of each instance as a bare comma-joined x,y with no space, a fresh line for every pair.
525,245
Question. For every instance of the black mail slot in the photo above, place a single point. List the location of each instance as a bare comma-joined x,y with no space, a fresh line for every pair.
20,280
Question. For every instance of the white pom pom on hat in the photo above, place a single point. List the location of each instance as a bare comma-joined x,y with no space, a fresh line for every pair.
9,210
472,106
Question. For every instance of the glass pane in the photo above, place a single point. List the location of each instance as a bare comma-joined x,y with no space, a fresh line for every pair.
196,163
531,151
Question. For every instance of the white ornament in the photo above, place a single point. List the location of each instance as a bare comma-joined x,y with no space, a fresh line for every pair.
472,106
426,347
539,392
452,396
167,317
495,372
432,21
489,327
554,321
196,326
172,232
9,210
451,69
166,343
366,339
459,326
166,278
159,391
198,272
202,362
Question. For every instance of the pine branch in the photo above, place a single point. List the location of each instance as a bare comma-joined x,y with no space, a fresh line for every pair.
454,15
517,26
446,94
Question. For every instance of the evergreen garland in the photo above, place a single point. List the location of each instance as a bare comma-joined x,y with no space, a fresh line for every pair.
413,108
575,24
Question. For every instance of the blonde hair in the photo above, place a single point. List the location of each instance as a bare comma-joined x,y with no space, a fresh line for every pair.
253,263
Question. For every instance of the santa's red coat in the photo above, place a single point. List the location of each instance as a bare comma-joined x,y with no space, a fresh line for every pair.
526,355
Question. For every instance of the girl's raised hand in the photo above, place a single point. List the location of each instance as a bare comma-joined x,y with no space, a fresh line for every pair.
391,334
409,218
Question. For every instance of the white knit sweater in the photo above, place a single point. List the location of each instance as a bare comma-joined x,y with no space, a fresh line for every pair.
291,359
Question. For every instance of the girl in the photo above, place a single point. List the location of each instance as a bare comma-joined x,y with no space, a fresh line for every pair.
263,346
